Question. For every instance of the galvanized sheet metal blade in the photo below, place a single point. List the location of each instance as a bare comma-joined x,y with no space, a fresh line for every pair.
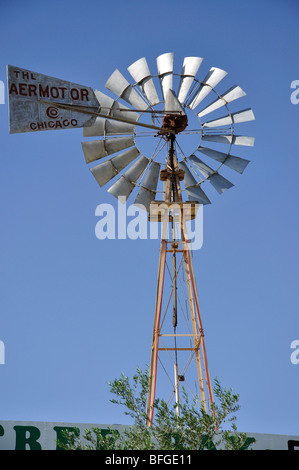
34,101
139,70
126,183
165,71
235,118
189,179
106,102
217,181
205,170
172,103
190,69
97,129
141,74
105,171
118,84
110,107
230,95
220,183
147,192
236,163
194,191
103,127
96,149
230,139
212,79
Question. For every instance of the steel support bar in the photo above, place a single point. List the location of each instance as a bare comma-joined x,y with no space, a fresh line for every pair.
155,340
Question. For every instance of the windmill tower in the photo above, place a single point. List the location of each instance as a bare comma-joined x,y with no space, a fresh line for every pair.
182,346
165,173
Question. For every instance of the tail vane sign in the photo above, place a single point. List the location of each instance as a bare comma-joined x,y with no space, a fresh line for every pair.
38,102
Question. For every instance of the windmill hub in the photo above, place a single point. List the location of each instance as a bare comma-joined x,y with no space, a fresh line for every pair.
175,122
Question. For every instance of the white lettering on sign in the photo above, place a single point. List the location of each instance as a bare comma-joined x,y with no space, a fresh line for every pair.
26,92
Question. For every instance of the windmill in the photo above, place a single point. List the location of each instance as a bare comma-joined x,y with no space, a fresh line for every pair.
169,110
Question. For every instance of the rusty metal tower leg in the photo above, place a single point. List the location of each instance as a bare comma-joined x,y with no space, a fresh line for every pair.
155,341
196,351
198,329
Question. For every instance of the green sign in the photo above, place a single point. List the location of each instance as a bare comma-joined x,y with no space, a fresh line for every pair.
20,435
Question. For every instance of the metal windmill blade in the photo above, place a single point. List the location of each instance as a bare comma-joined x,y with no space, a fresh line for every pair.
147,192
126,183
229,139
142,76
172,102
219,182
236,163
94,150
189,71
106,126
104,172
165,71
193,188
212,79
230,95
234,118
122,88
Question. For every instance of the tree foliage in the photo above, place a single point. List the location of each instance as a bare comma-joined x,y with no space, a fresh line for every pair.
191,429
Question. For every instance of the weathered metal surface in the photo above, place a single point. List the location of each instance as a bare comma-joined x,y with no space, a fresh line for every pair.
105,171
172,103
220,183
217,181
230,139
126,183
96,149
118,84
146,193
165,71
236,163
212,79
204,169
140,72
230,95
190,69
235,118
107,127
27,113
194,191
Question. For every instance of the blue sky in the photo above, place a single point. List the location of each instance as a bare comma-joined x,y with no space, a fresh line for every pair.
76,312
